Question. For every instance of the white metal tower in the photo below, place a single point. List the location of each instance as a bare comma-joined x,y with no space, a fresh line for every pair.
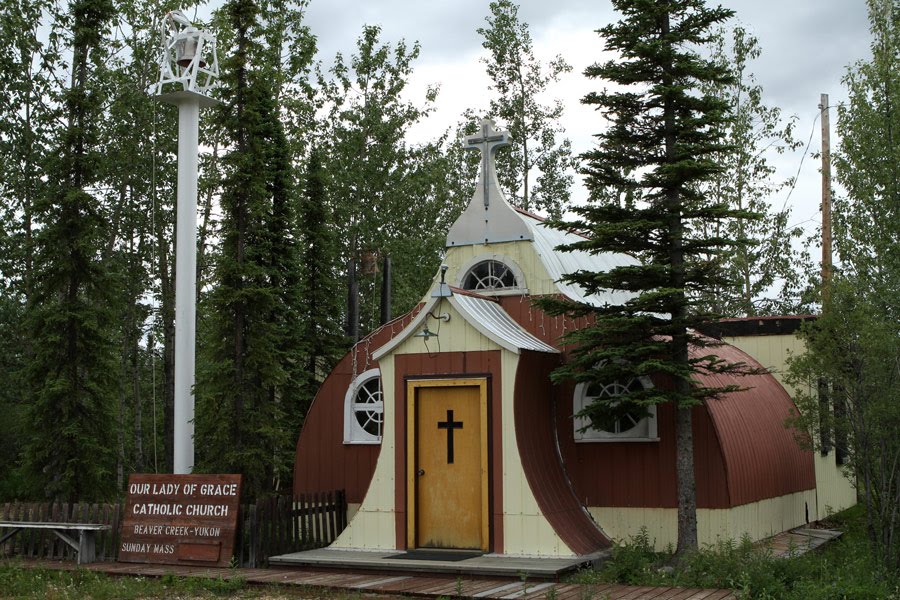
189,66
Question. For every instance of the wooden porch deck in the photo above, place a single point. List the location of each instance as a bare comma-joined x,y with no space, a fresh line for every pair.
404,584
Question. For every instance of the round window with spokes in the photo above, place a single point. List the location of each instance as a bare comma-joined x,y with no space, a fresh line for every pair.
364,409
490,275
620,422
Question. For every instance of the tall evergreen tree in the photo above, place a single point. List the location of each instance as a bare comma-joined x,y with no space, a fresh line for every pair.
139,139
71,419
246,369
536,170
321,304
29,122
664,133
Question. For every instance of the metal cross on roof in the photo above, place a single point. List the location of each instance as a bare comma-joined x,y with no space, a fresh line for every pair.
487,140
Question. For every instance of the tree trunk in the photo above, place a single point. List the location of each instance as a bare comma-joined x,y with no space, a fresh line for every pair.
687,487
204,225
684,438
120,419
138,409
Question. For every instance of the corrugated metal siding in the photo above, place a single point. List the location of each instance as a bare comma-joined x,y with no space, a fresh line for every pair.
762,456
323,461
645,472
640,474
451,364
537,447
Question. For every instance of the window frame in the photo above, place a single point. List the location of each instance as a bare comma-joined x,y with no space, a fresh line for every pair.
648,425
353,431
521,286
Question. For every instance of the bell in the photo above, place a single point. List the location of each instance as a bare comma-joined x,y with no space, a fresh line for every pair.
186,44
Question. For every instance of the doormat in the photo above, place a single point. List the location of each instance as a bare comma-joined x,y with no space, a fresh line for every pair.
437,555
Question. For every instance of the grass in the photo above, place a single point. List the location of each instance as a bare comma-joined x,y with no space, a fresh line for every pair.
20,582
844,569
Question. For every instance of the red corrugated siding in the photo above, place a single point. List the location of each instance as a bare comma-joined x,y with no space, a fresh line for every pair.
451,364
757,458
762,456
323,461
542,464
640,474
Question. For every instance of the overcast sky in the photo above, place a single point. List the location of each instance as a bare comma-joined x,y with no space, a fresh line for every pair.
806,44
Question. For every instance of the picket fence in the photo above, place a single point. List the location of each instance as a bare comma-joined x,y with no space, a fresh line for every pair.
269,527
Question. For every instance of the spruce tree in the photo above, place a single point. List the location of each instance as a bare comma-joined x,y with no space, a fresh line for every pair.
71,425
657,150
245,375
321,290
29,125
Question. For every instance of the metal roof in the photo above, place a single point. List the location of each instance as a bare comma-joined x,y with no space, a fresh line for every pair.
485,315
558,263
763,458
488,317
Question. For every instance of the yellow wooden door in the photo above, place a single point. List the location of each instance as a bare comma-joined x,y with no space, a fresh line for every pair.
450,468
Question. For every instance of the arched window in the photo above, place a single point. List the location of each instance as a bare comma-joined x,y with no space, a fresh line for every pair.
364,409
493,276
630,425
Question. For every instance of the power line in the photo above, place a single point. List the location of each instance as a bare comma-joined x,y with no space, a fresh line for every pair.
802,158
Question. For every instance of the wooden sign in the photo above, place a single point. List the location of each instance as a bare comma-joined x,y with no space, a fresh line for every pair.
180,519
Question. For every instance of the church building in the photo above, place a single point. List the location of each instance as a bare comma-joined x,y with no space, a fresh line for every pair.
445,431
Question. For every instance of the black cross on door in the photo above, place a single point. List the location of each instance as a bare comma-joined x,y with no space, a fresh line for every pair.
450,425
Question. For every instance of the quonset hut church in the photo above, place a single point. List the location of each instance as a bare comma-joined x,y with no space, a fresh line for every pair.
445,431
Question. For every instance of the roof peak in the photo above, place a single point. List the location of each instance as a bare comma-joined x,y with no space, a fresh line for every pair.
489,218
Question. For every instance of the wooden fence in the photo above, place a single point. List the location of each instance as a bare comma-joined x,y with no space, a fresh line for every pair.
282,524
270,527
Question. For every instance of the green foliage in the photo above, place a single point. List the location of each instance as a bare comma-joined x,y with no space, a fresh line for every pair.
248,371
68,312
660,148
763,272
853,354
519,79
868,161
844,569
677,130
389,196
321,303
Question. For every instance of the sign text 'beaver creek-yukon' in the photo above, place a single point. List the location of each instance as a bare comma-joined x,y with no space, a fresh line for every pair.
180,519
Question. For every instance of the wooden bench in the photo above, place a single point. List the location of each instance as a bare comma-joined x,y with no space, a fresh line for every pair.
84,545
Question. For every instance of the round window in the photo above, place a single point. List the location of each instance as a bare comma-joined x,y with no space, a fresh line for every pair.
621,421
618,420
364,409
489,275
368,407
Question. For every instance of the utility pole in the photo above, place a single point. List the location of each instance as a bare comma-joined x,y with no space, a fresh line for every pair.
826,202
